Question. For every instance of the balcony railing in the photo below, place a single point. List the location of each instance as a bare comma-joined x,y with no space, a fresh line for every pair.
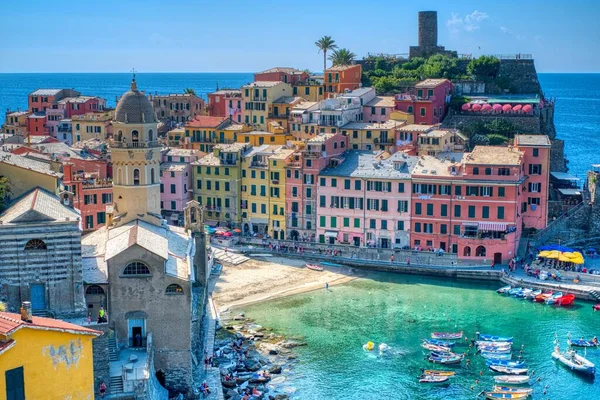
284,116
134,145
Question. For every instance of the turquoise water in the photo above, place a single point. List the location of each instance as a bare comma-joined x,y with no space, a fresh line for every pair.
402,310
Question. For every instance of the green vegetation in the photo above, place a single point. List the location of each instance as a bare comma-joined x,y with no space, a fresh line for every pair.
495,132
189,91
456,102
325,44
484,68
4,192
342,57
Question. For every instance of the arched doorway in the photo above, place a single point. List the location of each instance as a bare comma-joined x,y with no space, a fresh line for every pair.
294,235
467,251
95,297
480,251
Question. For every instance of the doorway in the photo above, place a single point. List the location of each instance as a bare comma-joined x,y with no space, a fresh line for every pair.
38,296
385,243
356,240
136,334
497,258
15,384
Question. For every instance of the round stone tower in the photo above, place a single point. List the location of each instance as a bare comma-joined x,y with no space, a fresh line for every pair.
428,29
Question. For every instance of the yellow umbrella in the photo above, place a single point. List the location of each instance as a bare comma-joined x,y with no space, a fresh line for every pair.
564,258
544,253
568,254
576,254
578,260
553,254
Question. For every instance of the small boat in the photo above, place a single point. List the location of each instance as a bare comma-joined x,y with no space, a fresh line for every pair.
524,293
543,296
596,307
534,293
504,289
582,343
445,360
442,343
513,379
504,395
446,335
496,356
314,267
506,363
433,378
485,343
437,372
511,389
508,370
493,350
216,270
493,338
433,347
552,299
514,291
566,300
574,361
443,354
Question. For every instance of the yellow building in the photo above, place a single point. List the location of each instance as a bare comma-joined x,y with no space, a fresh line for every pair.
94,125
258,138
257,98
175,137
401,116
204,132
217,181
371,136
280,110
15,123
310,90
44,358
25,173
438,141
277,164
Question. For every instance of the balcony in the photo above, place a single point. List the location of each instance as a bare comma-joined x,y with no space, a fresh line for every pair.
258,98
259,164
279,116
133,145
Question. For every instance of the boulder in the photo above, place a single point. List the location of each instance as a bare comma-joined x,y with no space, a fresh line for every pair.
252,365
282,396
275,369
230,394
288,344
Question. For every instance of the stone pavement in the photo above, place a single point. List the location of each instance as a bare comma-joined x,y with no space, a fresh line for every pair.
228,257
212,375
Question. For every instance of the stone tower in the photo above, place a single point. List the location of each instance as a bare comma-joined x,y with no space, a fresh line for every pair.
428,34
135,154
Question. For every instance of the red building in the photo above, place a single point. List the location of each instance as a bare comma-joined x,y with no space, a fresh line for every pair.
283,74
92,191
42,99
225,103
80,105
340,78
428,101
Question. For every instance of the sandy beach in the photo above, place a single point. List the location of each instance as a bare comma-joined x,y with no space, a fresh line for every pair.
264,279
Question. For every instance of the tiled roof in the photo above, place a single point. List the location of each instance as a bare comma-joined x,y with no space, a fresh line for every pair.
265,84
17,113
493,155
341,67
6,345
38,205
28,163
170,166
416,128
136,233
438,166
281,154
382,101
371,164
431,83
288,100
532,140
94,270
204,121
287,70
11,322
46,92
228,91
321,138
373,125
39,114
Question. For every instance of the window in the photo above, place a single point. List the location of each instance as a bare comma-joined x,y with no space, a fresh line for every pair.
418,209
458,190
467,251
504,171
15,384
457,230
136,268
488,171
417,227
174,289
36,244
444,210
487,191
173,188
456,211
136,177
227,186
480,251
106,198
475,170
152,178
471,211
501,191
383,224
535,169
322,182
357,222
94,289
400,225
535,187
536,152
89,221
409,109
347,184
533,200
322,221
500,212
485,212
322,201
443,229
422,111
346,222
372,223
402,206
333,182
263,208
173,205
333,222
430,209
101,217
401,187
357,185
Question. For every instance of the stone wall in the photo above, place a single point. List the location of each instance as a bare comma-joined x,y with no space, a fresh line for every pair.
593,184
523,124
101,356
558,163
570,226
522,76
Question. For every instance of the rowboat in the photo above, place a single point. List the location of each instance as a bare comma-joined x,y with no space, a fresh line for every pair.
552,299
445,360
506,363
574,361
444,354
508,370
314,267
437,372
433,378
503,395
493,350
512,389
514,291
433,347
582,343
543,296
485,343
443,343
596,307
532,295
566,300
524,293
446,335
497,356
493,338
504,289
513,379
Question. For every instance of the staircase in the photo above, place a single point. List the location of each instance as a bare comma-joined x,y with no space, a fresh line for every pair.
113,351
595,294
40,313
116,385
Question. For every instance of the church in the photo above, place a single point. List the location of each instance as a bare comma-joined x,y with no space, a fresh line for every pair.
155,273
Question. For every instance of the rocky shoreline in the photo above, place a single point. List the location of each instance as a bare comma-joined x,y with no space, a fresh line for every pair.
253,359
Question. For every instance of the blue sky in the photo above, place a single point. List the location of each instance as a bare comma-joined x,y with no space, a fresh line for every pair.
241,36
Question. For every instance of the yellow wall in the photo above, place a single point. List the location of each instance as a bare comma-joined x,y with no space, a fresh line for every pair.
257,117
56,365
315,92
23,180
368,139
254,177
258,139
402,116
225,214
277,166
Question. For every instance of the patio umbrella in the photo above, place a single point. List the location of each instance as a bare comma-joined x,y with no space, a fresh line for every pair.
486,107
227,234
527,108
497,107
236,230
578,260
564,258
465,107
506,107
517,107
476,107
544,253
553,254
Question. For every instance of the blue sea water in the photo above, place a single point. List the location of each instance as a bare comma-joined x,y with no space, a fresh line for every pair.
577,118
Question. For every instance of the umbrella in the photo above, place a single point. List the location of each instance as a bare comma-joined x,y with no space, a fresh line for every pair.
517,107
227,234
553,254
544,253
476,107
236,230
506,107
219,233
465,107
527,108
564,258
568,254
497,107
486,107
578,260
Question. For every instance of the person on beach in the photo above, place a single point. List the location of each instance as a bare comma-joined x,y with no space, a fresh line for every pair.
326,285
205,389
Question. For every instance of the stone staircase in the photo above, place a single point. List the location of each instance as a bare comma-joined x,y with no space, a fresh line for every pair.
595,294
116,385
113,350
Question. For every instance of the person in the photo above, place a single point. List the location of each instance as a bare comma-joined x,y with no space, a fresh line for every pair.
205,389
138,340
408,260
392,258
101,315
595,341
255,392
102,389
493,264
326,285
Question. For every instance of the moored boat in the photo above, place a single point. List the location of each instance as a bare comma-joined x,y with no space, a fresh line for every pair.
504,289
506,363
504,395
512,389
596,307
512,379
494,350
534,294
582,343
494,338
433,347
447,335
485,343
524,293
443,343
515,291
314,267
566,300
552,299
445,360
508,370
543,296
433,378
437,372
496,356
574,361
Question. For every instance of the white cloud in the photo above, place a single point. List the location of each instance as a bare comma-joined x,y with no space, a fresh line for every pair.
511,33
468,23
505,30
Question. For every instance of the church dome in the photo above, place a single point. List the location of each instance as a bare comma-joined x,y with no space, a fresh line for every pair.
134,107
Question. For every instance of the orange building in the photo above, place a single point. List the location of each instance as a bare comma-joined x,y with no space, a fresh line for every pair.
338,78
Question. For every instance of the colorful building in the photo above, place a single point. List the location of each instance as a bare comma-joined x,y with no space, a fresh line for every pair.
258,138
204,132
26,172
15,122
365,200
92,125
370,136
226,103
427,102
280,110
217,180
172,109
257,97
292,76
340,78
310,89
43,358
379,109
437,141
303,122
42,99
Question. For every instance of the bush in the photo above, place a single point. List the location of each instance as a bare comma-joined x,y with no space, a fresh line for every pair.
484,67
456,102
496,139
479,139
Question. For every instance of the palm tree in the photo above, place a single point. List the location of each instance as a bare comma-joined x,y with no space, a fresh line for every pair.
189,91
342,57
325,44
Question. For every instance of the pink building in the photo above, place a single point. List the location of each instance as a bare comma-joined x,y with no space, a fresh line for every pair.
365,200
292,76
309,159
79,105
225,103
176,182
427,102
379,109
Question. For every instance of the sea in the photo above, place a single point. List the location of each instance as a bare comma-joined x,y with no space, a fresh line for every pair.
577,118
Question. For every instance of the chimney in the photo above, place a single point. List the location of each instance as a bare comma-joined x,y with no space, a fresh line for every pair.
26,311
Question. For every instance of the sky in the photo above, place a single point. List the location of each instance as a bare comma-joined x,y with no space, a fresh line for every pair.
245,36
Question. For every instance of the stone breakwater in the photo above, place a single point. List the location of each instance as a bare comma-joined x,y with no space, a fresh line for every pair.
253,359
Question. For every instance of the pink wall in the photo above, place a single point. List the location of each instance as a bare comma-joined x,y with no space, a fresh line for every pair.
368,116
537,218
182,179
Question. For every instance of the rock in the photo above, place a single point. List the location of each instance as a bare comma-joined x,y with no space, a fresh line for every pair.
227,350
288,344
275,369
252,365
240,317
231,394
255,327
238,327
291,357
282,397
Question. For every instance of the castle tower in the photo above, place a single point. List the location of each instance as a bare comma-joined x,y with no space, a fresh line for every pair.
135,154
428,34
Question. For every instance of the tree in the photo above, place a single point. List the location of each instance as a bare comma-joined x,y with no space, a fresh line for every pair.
4,192
484,67
325,44
189,91
342,57
2,307
440,66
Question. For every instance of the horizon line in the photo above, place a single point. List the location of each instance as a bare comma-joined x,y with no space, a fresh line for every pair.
219,72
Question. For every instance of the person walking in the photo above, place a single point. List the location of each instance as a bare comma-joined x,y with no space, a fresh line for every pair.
101,315
102,389
326,285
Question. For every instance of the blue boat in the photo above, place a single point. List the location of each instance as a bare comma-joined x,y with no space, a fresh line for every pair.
582,343
442,343
496,356
506,363
515,291
493,338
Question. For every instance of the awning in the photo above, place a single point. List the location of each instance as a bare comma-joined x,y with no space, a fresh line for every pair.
570,192
470,224
563,176
211,223
331,234
493,226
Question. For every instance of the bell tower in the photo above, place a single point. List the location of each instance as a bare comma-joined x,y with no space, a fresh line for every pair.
135,154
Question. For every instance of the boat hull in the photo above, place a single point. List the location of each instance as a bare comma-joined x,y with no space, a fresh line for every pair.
446,335
512,379
508,370
494,338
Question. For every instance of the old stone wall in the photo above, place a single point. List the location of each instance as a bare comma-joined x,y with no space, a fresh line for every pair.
466,88
101,356
522,76
523,124
593,184
558,163
570,226
154,390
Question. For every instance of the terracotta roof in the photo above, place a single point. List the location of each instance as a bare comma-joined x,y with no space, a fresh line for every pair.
6,345
382,101
532,140
11,322
204,121
287,70
36,206
493,155
262,84
341,67
431,83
